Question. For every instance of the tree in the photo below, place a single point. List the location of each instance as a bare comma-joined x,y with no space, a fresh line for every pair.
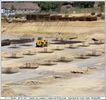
50,6
101,6
83,4
13,8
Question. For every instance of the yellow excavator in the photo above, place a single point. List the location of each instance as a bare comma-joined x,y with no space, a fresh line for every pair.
40,42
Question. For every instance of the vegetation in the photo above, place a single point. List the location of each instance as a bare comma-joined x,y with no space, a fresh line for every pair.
13,8
103,16
83,4
93,13
50,6
56,6
101,6
99,14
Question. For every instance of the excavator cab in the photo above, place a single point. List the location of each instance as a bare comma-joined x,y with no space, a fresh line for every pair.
40,42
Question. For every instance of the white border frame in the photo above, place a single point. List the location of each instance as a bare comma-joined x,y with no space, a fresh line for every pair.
102,98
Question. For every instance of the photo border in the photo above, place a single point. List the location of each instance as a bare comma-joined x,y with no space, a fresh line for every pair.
45,1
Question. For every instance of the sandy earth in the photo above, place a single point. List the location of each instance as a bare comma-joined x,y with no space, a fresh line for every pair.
32,28
57,79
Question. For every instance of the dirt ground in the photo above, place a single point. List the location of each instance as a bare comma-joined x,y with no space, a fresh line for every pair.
79,75
32,28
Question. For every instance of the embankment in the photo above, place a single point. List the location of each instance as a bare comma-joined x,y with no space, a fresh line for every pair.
33,28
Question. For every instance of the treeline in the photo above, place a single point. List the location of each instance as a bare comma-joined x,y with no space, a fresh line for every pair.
56,6
50,6
53,6
83,4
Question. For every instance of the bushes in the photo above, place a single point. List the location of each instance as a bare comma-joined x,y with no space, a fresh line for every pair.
49,6
93,13
103,16
99,14
9,70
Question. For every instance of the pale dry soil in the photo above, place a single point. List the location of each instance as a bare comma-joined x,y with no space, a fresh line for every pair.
58,79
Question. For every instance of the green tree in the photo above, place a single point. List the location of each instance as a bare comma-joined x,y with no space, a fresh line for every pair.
13,8
50,6
83,4
101,6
